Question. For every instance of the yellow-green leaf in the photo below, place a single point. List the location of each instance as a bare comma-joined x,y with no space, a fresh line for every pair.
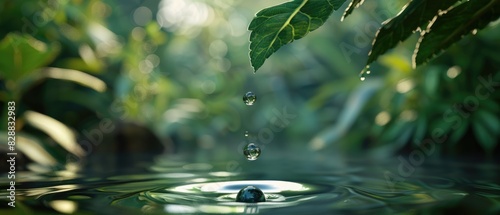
23,54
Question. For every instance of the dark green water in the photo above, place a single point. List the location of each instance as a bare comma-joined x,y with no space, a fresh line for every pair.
290,186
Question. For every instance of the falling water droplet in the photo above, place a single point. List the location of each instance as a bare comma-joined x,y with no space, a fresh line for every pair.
250,194
249,98
251,151
246,134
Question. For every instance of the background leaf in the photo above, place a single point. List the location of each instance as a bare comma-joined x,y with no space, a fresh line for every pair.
58,131
451,26
22,54
276,26
414,15
486,139
489,120
354,4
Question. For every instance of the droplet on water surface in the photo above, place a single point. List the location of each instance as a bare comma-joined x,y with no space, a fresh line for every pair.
250,194
249,98
251,151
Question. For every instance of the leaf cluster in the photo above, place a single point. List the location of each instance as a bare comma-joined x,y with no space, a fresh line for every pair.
441,24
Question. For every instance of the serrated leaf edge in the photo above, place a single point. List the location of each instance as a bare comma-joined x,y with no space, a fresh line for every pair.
287,22
429,28
348,10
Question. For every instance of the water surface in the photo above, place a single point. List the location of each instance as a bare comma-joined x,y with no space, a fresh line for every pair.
291,186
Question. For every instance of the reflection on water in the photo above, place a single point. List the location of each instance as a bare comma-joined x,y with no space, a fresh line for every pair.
172,187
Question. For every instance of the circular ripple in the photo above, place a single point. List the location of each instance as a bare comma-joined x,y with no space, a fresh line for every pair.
267,186
220,197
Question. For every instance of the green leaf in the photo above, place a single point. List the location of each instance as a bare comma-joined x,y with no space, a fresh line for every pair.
451,26
486,139
353,5
457,134
415,14
279,25
22,54
421,129
489,120
490,105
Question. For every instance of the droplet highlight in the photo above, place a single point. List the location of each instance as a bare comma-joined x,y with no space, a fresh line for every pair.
251,151
364,72
249,98
250,194
362,77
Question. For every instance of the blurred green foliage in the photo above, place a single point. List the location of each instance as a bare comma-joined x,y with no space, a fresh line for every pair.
181,68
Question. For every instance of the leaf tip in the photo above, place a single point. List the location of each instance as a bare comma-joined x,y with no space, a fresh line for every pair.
255,68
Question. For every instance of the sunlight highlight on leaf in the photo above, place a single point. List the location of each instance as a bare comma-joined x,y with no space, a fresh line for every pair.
396,62
56,130
105,40
34,150
64,206
76,76
347,116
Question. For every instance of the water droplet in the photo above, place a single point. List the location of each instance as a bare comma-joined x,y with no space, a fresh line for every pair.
251,151
246,134
249,98
250,194
362,77
364,72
